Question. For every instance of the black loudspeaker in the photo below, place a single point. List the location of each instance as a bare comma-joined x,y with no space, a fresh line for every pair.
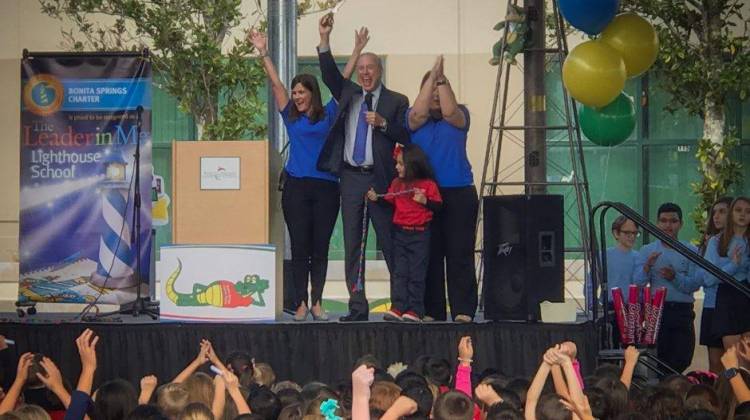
523,255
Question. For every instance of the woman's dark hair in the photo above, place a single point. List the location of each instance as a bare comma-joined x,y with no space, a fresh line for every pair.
549,407
453,405
728,233
289,396
438,371
115,399
702,397
264,402
416,165
699,415
616,392
146,412
520,386
601,408
503,411
665,405
291,412
711,228
316,112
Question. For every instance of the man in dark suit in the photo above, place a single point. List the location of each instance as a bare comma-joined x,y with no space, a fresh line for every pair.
359,148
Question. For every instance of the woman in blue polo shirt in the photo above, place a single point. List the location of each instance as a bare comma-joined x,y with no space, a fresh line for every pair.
439,125
310,200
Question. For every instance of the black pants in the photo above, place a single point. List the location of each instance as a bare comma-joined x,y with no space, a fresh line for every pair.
310,208
453,237
354,186
411,251
676,341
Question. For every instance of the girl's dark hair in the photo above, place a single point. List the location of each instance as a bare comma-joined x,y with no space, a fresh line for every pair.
115,399
711,228
316,112
728,232
146,412
416,165
665,405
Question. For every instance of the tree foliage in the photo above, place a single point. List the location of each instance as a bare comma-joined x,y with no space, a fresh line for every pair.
704,60
704,50
199,62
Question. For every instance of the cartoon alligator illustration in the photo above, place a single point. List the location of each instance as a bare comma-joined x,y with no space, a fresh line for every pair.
219,293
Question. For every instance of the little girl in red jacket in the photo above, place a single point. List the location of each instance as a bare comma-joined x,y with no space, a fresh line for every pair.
415,197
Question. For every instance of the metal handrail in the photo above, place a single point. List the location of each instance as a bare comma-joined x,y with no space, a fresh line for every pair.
654,230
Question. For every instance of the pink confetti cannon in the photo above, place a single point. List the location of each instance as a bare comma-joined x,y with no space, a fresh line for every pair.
618,304
653,316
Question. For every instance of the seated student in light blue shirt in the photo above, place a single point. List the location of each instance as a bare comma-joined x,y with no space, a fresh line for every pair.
661,266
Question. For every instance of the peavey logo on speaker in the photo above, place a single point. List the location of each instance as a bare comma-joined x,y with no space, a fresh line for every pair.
504,249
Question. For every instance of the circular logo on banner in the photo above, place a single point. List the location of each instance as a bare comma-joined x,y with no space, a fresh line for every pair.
43,94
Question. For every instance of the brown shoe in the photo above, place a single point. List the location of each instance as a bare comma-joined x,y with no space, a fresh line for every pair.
464,319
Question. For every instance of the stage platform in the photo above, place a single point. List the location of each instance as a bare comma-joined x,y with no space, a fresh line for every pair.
298,351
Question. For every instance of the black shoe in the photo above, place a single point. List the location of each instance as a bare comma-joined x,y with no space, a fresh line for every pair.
354,317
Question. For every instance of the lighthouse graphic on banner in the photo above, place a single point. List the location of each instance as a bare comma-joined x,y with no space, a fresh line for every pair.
116,257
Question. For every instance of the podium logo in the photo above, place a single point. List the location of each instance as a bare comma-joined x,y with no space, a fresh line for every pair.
220,173
43,94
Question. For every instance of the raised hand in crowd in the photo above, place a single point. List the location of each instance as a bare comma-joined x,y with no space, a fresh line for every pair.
260,42
631,360
325,26
581,409
200,359
22,373
53,380
402,407
213,358
148,386
86,344
233,388
731,363
362,379
487,395
361,38
465,351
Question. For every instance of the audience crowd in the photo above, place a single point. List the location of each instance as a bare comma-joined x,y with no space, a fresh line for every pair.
239,388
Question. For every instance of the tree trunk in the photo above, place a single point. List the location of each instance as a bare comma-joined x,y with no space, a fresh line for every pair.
199,130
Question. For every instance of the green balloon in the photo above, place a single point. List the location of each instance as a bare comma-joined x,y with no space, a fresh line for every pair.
610,125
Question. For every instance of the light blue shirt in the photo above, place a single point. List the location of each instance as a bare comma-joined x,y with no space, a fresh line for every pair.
351,127
685,282
620,268
739,272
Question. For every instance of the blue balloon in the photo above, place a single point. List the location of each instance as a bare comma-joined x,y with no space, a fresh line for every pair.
590,16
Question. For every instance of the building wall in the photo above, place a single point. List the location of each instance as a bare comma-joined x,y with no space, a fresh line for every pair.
408,34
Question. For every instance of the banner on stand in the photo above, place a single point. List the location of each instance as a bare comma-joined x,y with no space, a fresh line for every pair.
81,120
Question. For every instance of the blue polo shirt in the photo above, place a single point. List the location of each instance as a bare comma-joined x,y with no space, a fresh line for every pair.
306,140
685,283
445,147
620,267
739,272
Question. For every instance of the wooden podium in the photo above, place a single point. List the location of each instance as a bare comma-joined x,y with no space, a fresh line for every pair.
224,192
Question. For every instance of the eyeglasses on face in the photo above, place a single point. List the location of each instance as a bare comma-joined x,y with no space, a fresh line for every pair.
631,233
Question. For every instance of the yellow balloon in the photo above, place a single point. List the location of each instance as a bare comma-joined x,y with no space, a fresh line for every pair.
594,74
636,41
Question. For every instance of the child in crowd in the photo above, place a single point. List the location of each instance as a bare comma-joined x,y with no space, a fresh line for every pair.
415,197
